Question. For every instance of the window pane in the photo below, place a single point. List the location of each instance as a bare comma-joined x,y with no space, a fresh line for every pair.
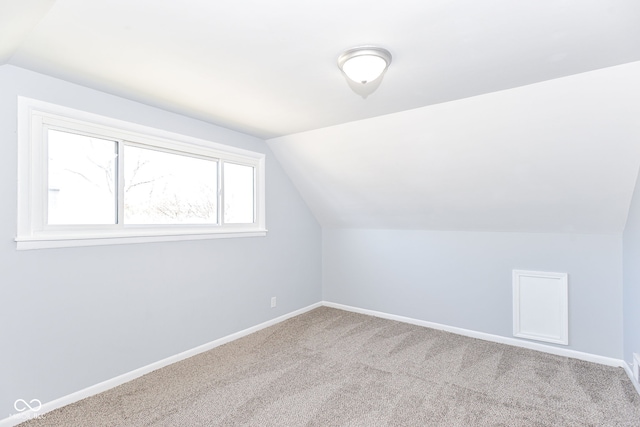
238,194
81,179
168,188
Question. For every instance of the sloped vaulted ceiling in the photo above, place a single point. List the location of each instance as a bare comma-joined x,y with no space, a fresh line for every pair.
494,115
269,67
557,156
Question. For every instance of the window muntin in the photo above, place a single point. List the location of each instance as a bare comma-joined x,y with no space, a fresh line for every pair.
110,169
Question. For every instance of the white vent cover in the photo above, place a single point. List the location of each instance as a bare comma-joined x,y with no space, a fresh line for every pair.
541,306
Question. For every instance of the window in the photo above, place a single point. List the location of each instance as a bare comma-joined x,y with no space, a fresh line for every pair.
91,180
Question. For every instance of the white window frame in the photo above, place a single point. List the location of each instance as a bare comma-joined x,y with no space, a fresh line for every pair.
35,116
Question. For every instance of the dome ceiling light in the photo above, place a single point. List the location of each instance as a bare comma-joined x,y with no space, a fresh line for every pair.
365,66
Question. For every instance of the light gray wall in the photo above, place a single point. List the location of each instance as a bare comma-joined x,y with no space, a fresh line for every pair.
631,276
463,279
70,318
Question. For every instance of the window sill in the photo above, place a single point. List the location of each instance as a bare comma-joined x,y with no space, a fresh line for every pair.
60,241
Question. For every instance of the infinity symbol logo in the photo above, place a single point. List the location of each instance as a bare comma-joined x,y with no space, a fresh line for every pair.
21,405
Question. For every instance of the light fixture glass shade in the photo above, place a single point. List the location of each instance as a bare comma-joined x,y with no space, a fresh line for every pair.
364,64
363,69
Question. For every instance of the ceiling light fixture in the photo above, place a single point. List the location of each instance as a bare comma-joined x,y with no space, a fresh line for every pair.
364,64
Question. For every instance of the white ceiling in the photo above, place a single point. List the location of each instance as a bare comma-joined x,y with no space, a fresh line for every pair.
468,130
269,68
557,156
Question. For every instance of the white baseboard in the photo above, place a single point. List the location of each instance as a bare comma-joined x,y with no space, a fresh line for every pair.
609,361
629,372
121,379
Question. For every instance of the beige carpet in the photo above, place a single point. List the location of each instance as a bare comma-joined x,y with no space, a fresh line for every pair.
334,368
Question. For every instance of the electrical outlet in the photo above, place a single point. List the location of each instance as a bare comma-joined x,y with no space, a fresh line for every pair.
636,366
273,302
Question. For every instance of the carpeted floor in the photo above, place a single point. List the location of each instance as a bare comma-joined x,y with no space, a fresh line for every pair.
329,367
